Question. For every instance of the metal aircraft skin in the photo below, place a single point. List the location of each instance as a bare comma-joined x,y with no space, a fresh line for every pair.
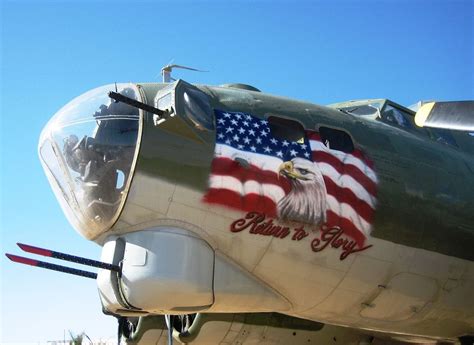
270,219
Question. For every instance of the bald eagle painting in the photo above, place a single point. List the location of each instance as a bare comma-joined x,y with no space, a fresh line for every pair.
301,181
306,201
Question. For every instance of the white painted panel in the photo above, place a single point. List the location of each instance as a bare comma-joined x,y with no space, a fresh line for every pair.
366,274
150,192
185,213
236,290
340,303
166,270
288,266
107,291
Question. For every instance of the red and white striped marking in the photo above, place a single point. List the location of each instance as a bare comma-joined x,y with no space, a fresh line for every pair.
351,184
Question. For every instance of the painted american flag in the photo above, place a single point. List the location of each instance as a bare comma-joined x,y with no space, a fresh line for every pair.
245,173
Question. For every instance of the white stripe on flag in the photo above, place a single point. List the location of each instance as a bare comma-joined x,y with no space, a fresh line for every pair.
347,181
346,211
345,158
263,162
270,191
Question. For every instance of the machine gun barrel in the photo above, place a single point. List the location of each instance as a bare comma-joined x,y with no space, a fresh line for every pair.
49,266
134,103
67,257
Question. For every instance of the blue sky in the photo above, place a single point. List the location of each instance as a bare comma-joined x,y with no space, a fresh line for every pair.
317,51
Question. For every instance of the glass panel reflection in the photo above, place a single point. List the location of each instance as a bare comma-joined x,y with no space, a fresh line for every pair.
94,143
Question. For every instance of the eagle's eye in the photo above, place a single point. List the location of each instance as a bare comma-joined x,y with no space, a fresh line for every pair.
303,171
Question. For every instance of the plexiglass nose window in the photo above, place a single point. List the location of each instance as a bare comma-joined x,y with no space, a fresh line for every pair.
88,149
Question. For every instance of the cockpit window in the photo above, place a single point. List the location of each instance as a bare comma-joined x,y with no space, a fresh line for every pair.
88,147
396,116
443,136
371,110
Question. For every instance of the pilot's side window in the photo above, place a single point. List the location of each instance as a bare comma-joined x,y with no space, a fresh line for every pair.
396,116
443,136
284,129
336,139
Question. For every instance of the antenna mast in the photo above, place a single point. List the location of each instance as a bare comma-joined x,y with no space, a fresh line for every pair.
166,72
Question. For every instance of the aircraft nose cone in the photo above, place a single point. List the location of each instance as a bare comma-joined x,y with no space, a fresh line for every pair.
87,151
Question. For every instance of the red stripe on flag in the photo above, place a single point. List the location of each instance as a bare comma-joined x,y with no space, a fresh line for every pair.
347,169
362,156
347,196
257,203
248,202
311,135
349,228
222,166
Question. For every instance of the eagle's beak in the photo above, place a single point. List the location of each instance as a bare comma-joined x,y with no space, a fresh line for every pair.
287,169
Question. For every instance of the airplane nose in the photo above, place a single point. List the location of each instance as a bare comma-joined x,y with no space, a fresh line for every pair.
88,150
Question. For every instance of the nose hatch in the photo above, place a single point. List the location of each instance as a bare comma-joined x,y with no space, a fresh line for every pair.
87,151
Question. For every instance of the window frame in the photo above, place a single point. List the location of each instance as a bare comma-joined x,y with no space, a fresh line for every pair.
340,129
268,116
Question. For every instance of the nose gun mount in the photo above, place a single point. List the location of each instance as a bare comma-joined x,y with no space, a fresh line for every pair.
61,256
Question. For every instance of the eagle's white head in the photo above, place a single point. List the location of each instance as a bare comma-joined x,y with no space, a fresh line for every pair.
306,202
